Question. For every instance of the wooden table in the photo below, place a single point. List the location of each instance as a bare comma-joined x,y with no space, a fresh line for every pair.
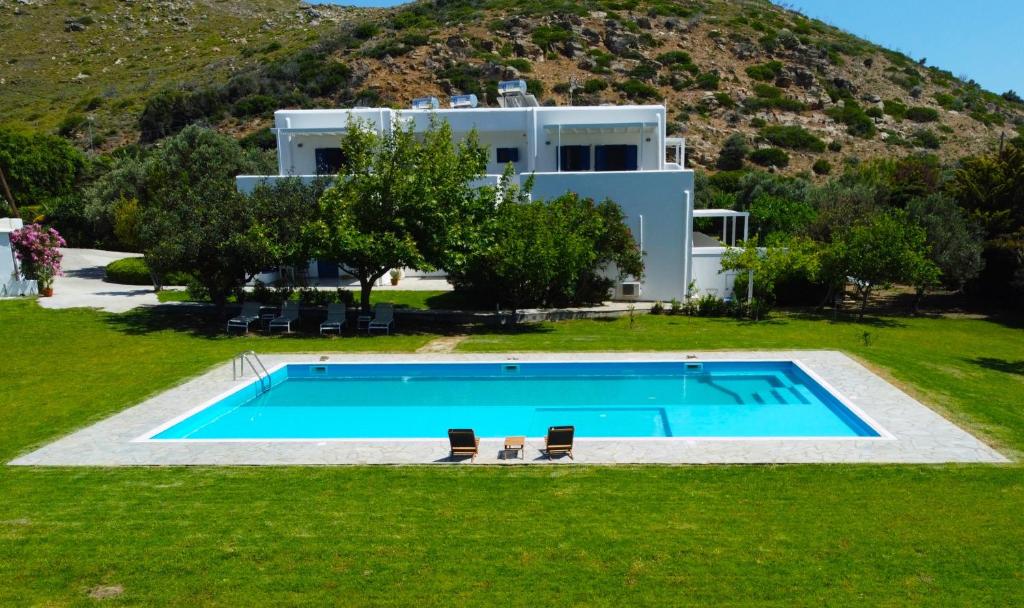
515,444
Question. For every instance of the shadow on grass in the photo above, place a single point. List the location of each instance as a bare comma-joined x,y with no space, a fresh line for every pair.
999,365
205,322
847,319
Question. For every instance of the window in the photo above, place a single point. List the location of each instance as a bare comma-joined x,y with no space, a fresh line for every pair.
508,155
329,161
574,158
615,158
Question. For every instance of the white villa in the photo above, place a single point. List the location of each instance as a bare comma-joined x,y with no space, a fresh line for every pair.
616,152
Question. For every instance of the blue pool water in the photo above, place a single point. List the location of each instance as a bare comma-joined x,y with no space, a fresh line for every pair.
613,399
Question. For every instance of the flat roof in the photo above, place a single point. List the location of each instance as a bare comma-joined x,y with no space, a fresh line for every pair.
719,213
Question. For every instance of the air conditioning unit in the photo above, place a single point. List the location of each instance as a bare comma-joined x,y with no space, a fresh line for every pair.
463,101
630,289
425,103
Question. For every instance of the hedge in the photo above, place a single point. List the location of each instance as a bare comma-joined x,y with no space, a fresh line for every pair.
134,271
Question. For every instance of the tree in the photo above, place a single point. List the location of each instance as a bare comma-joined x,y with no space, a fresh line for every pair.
282,211
38,168
991,188
550,253
955,244
876,252
193,218
733,151
774,214
837,206
779,259
402,199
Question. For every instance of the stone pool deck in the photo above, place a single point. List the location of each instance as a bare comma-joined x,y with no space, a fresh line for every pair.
913,432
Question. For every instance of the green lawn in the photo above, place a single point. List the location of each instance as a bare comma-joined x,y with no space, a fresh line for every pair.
576,536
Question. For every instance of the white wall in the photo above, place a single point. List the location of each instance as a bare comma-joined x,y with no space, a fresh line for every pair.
7,262
658,196
707,262
533,130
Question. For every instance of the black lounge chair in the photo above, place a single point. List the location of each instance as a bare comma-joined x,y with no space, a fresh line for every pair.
464,442
559,440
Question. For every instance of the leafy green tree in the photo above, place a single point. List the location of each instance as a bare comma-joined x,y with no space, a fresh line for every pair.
403,199
839,205
193,218
777,215
955,243
876,252
755,184
281,212
39,168
552,253
991,188
774,260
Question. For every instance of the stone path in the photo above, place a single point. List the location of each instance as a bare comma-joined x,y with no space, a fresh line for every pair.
912,432
83,286
446,344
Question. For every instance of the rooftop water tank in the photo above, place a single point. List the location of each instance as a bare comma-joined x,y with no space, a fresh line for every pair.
463,101
512,87
425,103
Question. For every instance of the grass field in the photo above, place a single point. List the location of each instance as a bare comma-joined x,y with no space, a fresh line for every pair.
779,535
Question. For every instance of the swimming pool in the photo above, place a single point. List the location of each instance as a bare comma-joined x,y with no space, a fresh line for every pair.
644,399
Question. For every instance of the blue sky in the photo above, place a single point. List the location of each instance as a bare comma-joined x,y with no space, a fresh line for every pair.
981,39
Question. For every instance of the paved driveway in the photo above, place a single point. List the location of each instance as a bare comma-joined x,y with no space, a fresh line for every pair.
83,286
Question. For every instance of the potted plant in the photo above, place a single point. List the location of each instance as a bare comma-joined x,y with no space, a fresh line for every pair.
38,251
396,274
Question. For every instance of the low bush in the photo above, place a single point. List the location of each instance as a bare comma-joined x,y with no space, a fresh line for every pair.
135,271
594,85
765,72
768,96
636,89
894,108
949,102
853,116
733,151
521,64
793,137
922,114
821,167
926,138
770,157
708,81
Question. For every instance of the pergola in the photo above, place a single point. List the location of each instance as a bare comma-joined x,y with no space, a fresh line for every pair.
726,215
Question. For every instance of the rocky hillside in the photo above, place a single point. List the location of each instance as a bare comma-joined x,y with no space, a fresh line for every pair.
107,73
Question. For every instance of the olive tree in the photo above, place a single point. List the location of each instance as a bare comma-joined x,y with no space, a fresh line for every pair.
955,242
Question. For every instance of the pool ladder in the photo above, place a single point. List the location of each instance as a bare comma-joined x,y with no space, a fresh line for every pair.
238,368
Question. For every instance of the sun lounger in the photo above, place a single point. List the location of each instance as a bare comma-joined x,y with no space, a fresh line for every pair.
289,314
383,319
464,442
249,315
335,318
559,440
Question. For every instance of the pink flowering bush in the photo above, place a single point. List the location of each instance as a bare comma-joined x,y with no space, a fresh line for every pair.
37,250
